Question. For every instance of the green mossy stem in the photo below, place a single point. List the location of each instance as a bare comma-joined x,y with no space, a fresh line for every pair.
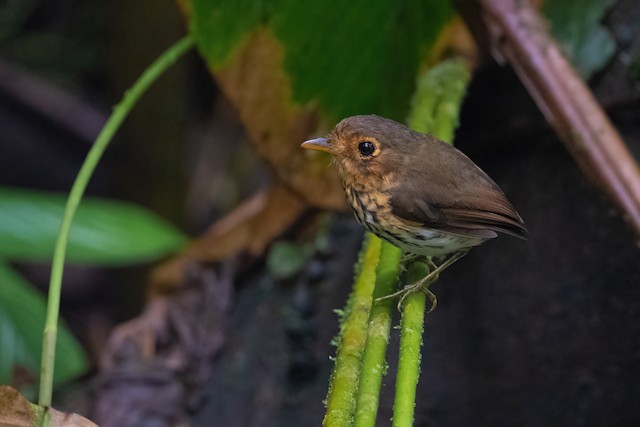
435,108
343,388
410,356
120,112
373,361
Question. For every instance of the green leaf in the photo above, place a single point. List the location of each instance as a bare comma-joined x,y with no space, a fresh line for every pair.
352,57
22,316
576,23
103,232
219,25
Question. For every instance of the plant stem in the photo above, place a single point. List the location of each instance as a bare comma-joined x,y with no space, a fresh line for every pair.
373,361
118,115
434,109
436,102
341,399
411,330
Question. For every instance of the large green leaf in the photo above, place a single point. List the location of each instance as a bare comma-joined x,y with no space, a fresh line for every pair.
103,232
351,57
576,23
22,316
220,25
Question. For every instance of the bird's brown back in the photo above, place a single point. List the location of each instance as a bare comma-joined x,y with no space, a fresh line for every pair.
433,183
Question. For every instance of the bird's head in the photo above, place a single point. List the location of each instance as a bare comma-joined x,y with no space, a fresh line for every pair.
367,148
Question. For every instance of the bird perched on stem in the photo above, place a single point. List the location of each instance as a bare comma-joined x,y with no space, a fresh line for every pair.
417,192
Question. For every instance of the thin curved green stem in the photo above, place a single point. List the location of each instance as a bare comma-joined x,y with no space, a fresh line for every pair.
118,115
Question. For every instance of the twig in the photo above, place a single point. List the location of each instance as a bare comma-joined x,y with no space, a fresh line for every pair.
51,102
519,33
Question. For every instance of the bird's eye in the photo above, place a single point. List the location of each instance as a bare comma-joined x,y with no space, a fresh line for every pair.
366,148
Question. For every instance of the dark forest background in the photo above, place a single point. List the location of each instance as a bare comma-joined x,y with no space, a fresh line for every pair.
539,333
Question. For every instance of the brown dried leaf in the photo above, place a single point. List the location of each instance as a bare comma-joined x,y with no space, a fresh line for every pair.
251,227
255,84
17,411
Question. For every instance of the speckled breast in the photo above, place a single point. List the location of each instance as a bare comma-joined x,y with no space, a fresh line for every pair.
373,211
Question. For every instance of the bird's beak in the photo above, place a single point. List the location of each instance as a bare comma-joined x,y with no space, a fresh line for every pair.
318,144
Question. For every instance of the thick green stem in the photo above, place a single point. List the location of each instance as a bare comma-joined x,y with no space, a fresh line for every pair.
341,399
437,100
411,330
118,115
373,361
435,110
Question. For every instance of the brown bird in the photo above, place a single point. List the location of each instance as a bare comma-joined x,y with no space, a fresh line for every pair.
417,192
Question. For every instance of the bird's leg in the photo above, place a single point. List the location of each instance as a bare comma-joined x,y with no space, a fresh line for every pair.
406,258
423,284
429,260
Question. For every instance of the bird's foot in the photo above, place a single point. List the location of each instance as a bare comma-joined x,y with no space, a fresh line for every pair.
421,285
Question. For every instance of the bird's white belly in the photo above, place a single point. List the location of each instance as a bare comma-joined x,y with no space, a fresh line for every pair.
425,241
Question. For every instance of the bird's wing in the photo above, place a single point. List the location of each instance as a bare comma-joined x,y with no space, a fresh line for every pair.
465,202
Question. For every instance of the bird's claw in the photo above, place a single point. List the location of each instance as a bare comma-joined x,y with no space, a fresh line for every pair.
433,300
421,285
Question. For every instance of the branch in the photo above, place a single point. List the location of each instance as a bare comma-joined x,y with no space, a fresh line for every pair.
53,103
518,32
